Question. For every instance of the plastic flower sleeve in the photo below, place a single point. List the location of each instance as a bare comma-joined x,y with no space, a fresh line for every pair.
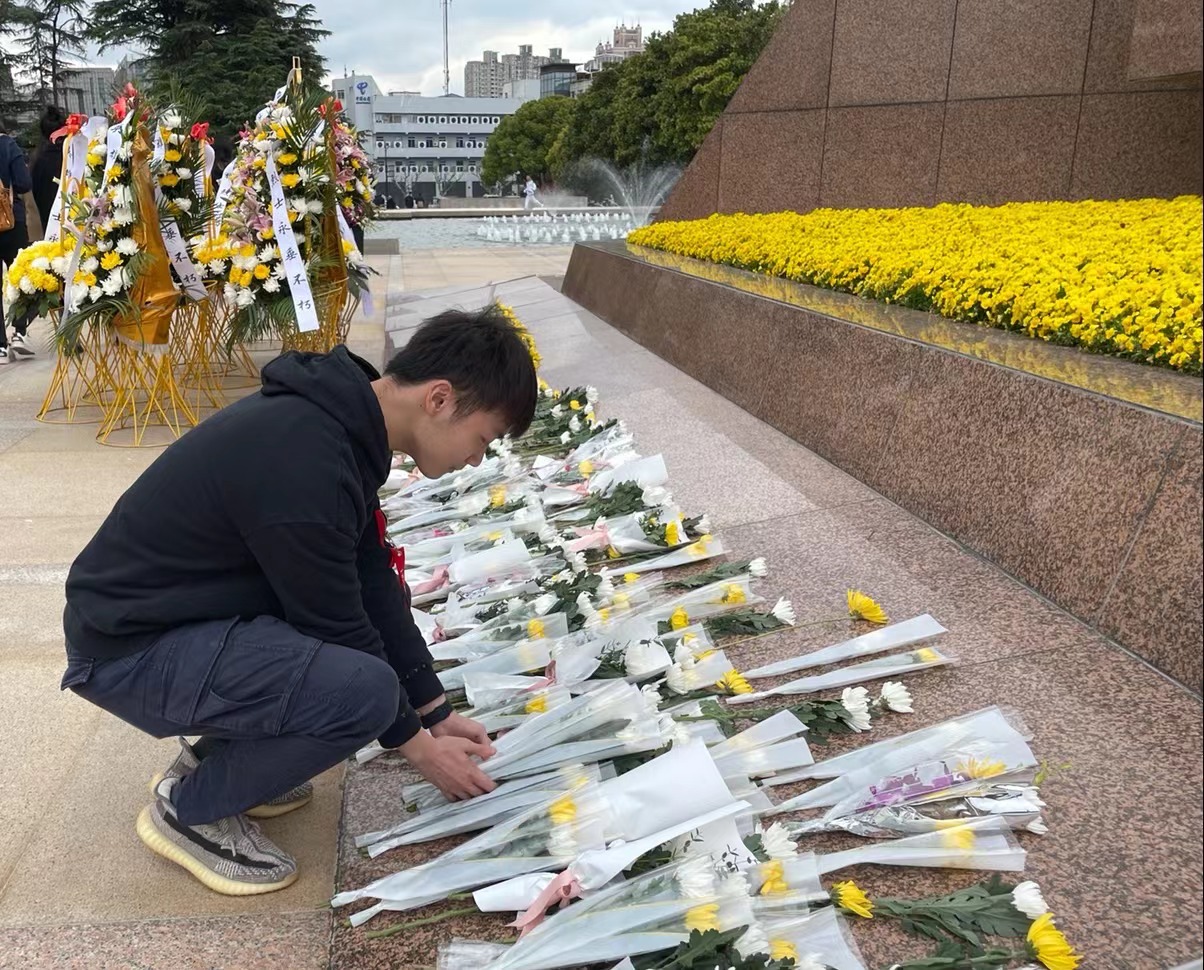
988,722
773,729
694,637
701,549
784,884
909,633
646,472
490,562
486,690
456,818
614,703
511,713
893,666
521,658
979,844
759,762
546,836
822,935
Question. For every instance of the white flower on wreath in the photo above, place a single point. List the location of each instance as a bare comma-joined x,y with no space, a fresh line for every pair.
184,204
127,246
184,173
123,216
244,298
26,285
172,119
58,265
42,263
89,265
856,700
113,285
1027,898
314,207
777,844
216,266
271,285
93,294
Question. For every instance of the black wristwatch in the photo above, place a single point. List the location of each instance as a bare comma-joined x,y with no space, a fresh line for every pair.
436,715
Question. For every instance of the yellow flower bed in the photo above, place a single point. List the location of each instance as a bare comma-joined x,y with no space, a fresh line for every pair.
1121,278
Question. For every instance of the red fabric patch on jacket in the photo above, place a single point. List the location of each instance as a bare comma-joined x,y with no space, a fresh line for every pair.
397,556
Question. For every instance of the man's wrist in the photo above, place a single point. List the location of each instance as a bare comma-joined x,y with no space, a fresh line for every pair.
436,715
431,705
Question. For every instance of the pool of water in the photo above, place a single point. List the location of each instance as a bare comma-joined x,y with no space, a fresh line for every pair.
456,233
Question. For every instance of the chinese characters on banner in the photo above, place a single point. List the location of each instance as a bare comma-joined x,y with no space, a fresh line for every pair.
181,262
290,255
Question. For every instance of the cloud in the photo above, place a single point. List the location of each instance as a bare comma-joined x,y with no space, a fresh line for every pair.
401,43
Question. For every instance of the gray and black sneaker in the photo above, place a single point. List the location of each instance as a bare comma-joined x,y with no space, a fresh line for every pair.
186,763
230,856
19,348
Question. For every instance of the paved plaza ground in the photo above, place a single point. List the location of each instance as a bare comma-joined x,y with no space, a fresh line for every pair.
1120,865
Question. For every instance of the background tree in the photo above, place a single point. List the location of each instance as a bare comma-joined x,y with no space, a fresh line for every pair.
227,55
656,107
523,141
46,38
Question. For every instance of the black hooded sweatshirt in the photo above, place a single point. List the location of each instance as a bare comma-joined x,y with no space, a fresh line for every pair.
268,508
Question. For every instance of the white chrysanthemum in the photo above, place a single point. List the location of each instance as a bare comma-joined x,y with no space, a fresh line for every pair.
549,536
122,196
112,286
26,285
557,410
10,293
271,285
856,700
314,207
183,204
244,298
777,843
753,941
683,656
654,496
672,733
280,272
184,173
606,586
565,438
652,696
696,878
93,294
784,612
89,265
42,263
704,525
549,392
591,394
127,246
59,264
562,843
575,424
228,292
809,961
1027,898
1037,826
577,562
123,150
642,658
679,679
172,119
216,266
122,216
758,568
104,245
543,604
896,697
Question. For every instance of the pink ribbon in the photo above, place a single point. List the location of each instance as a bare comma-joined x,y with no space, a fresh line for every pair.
558,893
438,581
589,539
547,680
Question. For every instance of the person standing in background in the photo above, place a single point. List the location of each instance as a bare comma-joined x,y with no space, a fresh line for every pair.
48,163
14,182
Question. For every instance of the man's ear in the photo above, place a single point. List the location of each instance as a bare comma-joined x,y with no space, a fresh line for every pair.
440,398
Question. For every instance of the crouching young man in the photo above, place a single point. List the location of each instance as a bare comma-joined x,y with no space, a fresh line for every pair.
243,590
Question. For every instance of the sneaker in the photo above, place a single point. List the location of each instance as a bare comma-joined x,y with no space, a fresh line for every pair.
4,358
19,348
186,763
230,856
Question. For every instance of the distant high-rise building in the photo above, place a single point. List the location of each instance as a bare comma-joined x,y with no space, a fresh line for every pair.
484,78
88,90
626,42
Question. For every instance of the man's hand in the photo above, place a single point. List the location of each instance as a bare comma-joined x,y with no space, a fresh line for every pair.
447,763
459,726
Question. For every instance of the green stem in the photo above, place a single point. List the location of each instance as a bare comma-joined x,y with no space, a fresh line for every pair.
414,924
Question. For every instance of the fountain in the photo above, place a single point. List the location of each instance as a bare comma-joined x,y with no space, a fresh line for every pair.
634,194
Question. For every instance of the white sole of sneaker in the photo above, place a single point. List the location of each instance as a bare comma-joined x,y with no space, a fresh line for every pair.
153,839
259,811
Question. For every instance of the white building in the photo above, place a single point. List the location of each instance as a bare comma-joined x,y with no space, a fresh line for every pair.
526,89
414,139
88,90
485,78
627,41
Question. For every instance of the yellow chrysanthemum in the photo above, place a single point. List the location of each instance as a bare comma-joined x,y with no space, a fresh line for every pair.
1048,944
981,768
288,158
115,172
773,879
585,468
850,897
536,629
575,405
733,593
262,271
497,496
494,536
171,155
861,607
267,232
733,682
563,810
926,655
246,278
622,601
703,918
631,578
680,619
782,950
672,534
536,705
170,180
291,180
960,837
613,553
110,260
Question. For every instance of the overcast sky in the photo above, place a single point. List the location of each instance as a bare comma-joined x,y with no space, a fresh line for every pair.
401,43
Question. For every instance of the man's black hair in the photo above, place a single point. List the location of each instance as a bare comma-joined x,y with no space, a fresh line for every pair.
481,354
52,120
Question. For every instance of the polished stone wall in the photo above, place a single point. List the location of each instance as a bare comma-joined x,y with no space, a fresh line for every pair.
1079,475
914,102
